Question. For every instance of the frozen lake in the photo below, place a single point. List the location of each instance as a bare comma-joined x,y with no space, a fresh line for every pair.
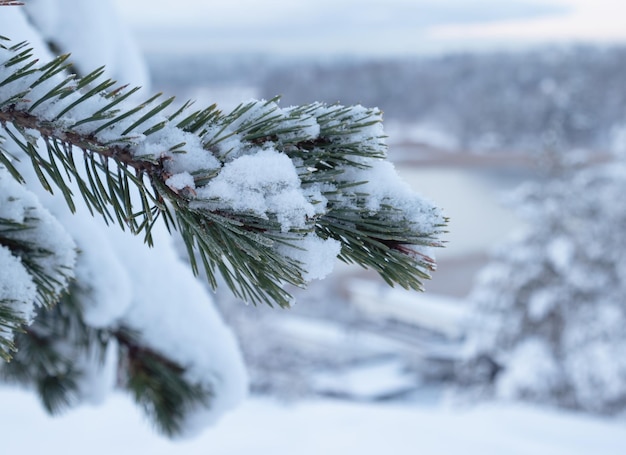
472,197
472,201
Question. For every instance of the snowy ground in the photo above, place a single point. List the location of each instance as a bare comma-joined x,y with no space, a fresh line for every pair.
318,427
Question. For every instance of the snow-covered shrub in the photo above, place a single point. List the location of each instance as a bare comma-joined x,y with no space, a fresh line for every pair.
550,308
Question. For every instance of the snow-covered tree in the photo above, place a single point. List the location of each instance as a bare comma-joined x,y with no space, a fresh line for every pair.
262,197
550,309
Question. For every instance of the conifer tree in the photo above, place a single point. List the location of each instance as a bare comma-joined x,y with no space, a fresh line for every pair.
549,310
262,197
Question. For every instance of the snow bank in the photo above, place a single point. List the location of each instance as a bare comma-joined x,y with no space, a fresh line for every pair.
313,428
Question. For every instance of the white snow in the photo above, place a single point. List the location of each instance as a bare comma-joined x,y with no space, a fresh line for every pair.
441,314
366,382
594,368
43,231
317,256
17,290
540,303
103,38
560,251
530,367
103,283
100,373
181,181
305,127
313,428
262,183
330,335
175,316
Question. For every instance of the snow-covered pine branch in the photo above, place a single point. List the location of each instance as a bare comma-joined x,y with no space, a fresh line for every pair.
36,259
263,195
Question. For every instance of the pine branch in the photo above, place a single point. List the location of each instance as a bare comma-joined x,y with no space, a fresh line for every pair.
36,259
51,357
48,354
245,189
158,384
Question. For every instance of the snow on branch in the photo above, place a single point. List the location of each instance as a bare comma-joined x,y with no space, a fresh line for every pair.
36,259
262,196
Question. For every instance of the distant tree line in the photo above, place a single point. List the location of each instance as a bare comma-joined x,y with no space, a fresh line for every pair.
557,98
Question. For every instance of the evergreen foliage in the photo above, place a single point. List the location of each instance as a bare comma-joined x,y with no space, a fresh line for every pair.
549,310
262,197
81,113
35,270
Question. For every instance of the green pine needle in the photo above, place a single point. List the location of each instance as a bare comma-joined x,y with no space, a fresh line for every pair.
241,247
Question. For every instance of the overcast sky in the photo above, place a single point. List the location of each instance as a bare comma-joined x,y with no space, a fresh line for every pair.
369,27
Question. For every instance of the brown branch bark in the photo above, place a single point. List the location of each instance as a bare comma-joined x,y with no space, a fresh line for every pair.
121,154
